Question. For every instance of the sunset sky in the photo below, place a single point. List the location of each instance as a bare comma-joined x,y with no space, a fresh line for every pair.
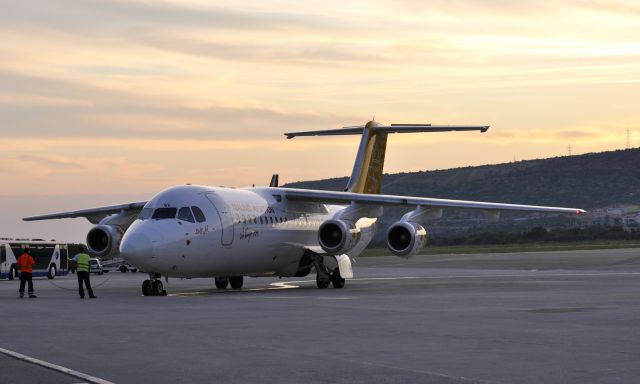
107,100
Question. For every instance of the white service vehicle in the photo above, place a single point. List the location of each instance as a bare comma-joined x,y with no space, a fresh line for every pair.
95,266
51,258
227,233
117,264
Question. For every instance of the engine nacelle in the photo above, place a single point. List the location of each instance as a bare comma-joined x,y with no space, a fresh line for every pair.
405,239
338,236
103,241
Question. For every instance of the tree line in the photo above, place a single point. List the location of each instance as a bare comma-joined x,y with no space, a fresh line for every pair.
542,235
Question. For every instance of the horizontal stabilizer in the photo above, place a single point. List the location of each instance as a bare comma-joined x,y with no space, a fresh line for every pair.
393,128
327,132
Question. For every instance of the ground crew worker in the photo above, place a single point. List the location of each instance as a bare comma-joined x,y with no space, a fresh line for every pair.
82,267
25,263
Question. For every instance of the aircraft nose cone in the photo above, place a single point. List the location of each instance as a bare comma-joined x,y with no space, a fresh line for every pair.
136,249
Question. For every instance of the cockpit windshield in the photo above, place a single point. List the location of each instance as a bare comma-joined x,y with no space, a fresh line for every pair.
184,214
164,213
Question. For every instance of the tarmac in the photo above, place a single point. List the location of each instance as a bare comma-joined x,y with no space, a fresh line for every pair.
546,317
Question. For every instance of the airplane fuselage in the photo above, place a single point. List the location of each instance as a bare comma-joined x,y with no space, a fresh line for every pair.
237,229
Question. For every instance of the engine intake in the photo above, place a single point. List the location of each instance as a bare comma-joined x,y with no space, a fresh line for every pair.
405,239
338,236
104,240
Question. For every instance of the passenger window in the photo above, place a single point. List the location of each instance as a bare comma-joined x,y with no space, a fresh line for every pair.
261,220
271,219
3,254
184,214
164,213
255,221
145,213
198,214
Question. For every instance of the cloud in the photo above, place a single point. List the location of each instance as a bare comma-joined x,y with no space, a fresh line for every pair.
42,107
617,7
132,15
582,135
51,162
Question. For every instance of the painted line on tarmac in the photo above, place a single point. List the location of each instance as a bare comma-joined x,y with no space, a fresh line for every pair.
273,287
536,273
54,367
525,274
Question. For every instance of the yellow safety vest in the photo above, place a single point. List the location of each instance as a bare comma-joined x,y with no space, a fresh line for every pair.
83,262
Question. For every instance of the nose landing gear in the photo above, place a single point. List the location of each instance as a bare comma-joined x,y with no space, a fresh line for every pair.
153,286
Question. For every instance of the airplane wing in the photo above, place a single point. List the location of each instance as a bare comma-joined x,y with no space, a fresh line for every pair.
393,200
94,215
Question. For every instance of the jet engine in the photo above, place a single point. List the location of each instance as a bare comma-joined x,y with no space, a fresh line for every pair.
103,241
405,239
338,236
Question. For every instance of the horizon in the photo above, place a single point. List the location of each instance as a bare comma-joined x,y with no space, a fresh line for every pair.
74,230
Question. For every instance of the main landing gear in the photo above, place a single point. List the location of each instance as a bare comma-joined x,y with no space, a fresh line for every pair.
235,281
326,276
153,286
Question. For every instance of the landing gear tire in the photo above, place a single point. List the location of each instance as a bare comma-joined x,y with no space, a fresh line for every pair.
236,281
336,279
52,272
322,283
157,288
222,282
146,288
13,272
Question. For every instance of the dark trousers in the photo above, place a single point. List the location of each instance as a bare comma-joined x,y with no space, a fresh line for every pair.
25,277
83,277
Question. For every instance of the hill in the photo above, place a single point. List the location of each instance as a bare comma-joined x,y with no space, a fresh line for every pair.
590,181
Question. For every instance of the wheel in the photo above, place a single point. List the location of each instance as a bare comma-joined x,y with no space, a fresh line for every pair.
52,272
13,272
123,269
336,279
321,283
236,281
146,288
222,282
157,288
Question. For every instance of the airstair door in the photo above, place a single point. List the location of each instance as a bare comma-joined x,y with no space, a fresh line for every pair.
225,212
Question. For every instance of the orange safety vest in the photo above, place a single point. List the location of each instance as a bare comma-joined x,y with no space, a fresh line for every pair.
25,263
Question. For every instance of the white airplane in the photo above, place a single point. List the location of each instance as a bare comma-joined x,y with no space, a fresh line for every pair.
226,233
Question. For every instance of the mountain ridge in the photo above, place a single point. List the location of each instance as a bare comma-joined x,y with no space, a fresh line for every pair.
592,180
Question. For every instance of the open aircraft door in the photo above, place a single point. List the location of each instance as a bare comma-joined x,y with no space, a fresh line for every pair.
225,212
